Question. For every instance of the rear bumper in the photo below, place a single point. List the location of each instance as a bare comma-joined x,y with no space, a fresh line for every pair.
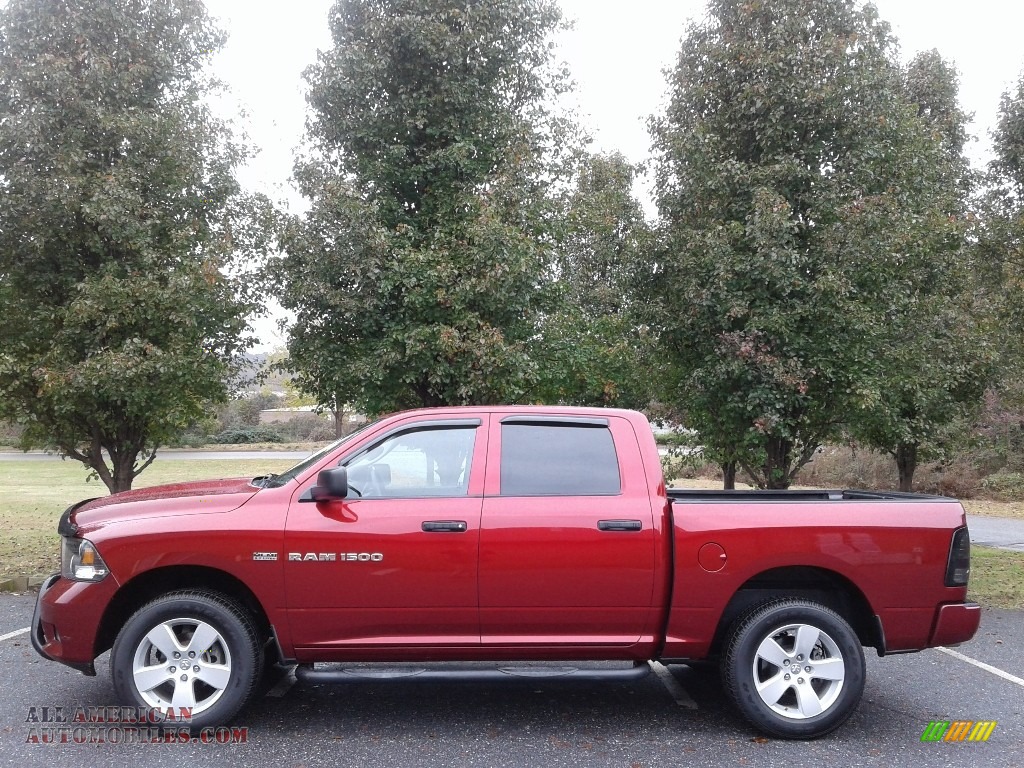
955,623
67,618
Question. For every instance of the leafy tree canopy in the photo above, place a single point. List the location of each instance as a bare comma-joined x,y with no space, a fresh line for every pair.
596,348
789,165
121,214
934,357
999,246
419,274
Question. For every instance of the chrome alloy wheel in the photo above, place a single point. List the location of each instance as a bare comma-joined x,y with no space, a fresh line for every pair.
182,663
799,671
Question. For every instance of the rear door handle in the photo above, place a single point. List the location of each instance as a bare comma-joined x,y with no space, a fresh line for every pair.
619,525
445,526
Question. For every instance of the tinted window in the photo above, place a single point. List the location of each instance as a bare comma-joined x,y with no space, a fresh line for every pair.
424,462
557,460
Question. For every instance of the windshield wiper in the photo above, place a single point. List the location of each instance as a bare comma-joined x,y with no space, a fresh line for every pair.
263,481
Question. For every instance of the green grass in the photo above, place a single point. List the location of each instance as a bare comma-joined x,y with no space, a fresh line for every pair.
997,578
1014,509
33,494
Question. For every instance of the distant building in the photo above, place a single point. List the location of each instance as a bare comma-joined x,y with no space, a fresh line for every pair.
277,415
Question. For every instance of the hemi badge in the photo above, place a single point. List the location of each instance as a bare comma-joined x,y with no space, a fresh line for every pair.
264,555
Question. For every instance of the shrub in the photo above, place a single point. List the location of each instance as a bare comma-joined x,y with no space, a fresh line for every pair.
840,466
190,439
306,428
1004,486
958,478
239,435
10,433
687,464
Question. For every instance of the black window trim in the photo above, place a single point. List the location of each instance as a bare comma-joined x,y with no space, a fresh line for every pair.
566,421
585,422
404,429
418,426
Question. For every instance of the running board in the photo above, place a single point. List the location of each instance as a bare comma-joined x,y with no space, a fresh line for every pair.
307,673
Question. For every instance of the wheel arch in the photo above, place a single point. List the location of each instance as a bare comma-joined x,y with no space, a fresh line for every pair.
814,583
159,581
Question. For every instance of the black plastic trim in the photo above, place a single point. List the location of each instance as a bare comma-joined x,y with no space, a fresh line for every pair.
416,426
693,494
568,421
620,525
444,526
307,673
880,630
276,641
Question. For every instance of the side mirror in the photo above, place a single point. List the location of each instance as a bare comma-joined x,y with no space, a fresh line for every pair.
330,484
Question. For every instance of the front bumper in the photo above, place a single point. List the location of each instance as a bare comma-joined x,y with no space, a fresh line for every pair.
955,623
67,619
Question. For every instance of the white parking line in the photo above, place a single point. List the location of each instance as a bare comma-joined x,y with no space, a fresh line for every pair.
675,690
15,633
982,665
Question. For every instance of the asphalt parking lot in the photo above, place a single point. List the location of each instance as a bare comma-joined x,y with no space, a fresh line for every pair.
549,723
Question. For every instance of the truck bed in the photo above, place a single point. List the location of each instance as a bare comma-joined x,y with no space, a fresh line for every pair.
704,495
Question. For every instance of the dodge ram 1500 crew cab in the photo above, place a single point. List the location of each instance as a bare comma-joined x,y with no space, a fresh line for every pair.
506,534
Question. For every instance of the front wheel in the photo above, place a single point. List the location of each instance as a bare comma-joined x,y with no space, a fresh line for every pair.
794,668
194,653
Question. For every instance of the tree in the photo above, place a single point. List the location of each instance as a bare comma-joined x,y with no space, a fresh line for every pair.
121,214
1008,142
935,359
595,348
998,255
418,276
788,163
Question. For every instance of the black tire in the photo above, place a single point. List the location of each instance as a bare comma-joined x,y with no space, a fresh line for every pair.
762,649
207,630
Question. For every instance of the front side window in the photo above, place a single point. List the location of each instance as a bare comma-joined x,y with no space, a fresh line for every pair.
558,460
413,463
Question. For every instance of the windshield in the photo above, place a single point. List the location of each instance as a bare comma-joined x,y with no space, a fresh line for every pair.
276,481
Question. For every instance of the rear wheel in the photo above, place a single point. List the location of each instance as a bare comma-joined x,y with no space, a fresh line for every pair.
191,651
794,668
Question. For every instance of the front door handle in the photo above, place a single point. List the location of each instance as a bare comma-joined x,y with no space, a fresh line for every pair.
445,526
619,525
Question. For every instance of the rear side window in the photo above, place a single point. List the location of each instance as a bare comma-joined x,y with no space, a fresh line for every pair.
558,460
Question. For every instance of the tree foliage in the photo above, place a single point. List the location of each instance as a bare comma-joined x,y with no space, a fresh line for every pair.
998,252
934,360
1008,142
120,215
419,274
1000,246
596,350
791,171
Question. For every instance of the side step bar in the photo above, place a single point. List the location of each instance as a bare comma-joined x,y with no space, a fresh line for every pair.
307,673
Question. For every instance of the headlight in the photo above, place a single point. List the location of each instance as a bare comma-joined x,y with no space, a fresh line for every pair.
80,561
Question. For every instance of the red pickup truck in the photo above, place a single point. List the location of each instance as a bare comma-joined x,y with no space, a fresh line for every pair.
525,534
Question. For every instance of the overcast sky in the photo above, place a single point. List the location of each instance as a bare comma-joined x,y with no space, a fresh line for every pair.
616,53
